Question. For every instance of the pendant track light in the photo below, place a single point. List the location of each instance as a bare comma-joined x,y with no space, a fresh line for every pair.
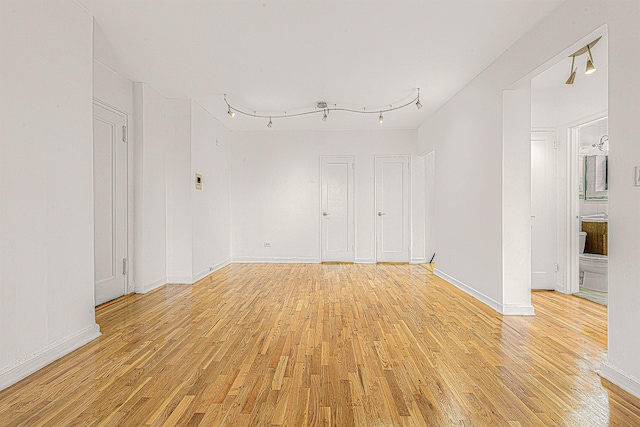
321,107
572,76
590,68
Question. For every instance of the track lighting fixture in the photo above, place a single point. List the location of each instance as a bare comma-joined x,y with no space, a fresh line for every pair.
321,107
590,68
572,76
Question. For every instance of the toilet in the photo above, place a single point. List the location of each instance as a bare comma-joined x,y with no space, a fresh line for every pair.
594,268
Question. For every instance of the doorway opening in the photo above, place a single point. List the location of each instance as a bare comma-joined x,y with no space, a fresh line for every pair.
563,107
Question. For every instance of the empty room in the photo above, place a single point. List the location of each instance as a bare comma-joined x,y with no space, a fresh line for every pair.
348,213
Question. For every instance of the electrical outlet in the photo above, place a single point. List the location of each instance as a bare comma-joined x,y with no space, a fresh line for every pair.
267,244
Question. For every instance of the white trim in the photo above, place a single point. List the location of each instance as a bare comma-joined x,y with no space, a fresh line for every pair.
25,367
620,378
418,261
517,310
504,309
276,260
180,280
572,223
469,290
211,270
365,261
143,289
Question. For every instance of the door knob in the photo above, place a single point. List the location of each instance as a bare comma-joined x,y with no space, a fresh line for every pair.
380,213
325,214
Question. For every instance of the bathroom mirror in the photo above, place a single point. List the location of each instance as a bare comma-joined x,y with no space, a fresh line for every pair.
596,173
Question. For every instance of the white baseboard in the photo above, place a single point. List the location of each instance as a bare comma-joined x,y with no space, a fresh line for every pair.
418,261
365,261
620,378
211,270
179,280
23,368
517,310
143,289
276,260
505,309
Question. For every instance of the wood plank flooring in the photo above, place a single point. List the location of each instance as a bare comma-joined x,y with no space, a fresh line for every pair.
343,345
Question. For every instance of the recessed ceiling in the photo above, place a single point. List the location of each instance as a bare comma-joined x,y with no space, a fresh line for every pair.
276,56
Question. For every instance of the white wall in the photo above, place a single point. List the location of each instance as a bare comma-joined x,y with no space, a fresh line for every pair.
276,190
46,184
211,206
179,222
182,234
466,134
153,133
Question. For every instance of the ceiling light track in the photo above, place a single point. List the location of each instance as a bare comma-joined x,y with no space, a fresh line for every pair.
324,109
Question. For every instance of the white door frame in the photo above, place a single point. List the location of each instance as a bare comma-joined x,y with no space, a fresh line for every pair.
407,229
128,286
352,204
572,260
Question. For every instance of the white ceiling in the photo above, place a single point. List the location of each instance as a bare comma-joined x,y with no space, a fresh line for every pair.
273,56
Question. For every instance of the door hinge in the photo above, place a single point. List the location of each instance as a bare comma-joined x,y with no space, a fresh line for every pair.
556,267
124,133
125,266
555,145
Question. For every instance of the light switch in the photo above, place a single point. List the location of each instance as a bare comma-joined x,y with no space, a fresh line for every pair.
198,181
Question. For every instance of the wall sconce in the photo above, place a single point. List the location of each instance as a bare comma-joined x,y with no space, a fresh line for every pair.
590,68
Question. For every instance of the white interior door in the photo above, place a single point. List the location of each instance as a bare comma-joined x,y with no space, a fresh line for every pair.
110,203
337,207
543,210
392,209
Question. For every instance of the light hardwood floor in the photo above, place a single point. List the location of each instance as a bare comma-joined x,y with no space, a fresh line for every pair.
306,344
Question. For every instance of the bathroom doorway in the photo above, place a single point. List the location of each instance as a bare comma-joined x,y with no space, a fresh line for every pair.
588,263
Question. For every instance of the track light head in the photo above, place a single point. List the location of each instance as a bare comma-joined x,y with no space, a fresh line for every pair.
380,119
270,123
590,67
324,116
418,104
571,78
231,113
